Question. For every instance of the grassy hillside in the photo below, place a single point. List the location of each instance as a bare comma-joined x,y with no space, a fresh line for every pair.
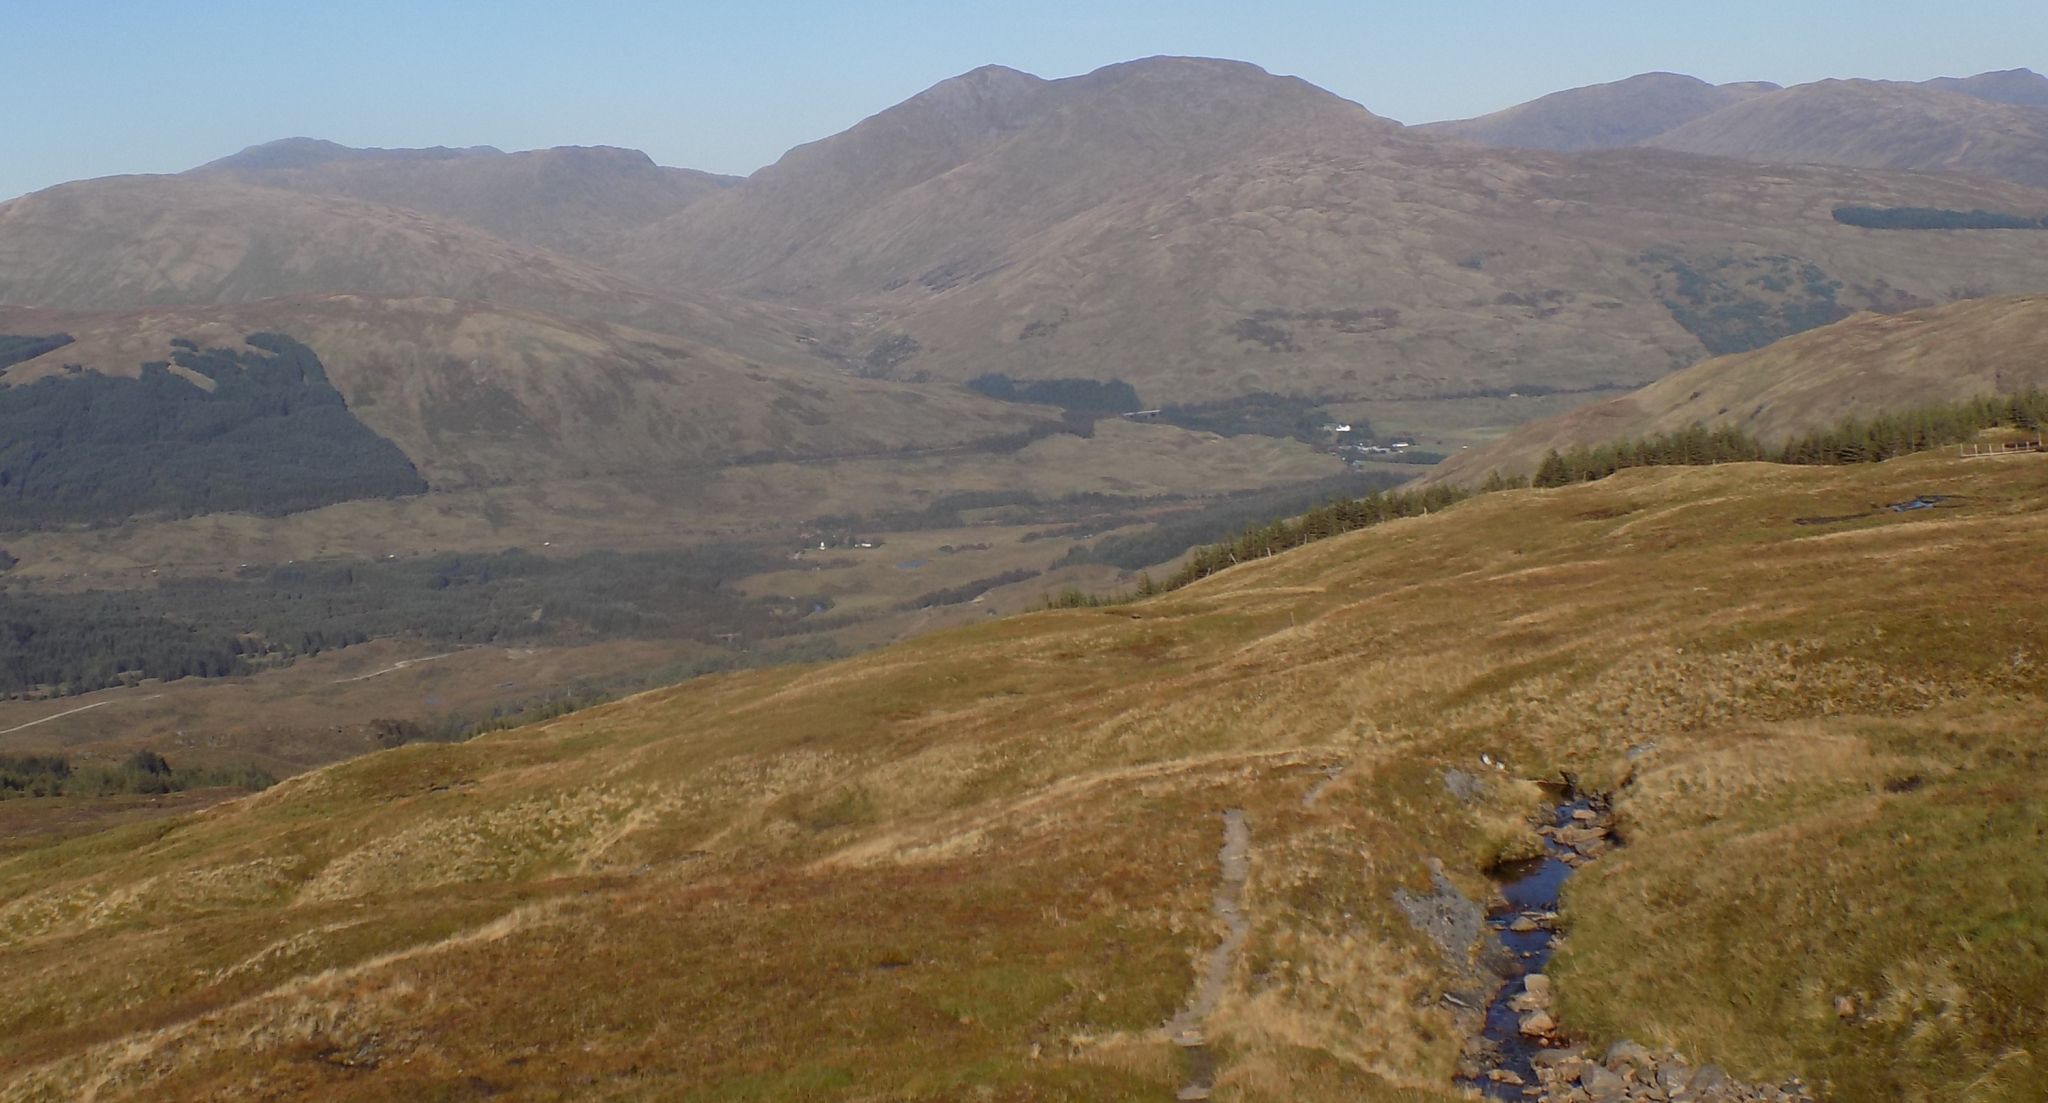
483,394
572,199
1855,368
1875,124
982,861
1204,230
1599,116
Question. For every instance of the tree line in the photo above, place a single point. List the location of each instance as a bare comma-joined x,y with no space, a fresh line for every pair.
76,642
1852,440
1275,536
1935,218
1220,520
15,347
144,772
1112,396
1319,523
272,436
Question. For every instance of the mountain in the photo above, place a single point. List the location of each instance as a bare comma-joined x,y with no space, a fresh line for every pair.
1204,230
998,861
480,394
125,242
130,241
2020,86
1859,367
936,190
1600,116
1872,124
1991,124
571,199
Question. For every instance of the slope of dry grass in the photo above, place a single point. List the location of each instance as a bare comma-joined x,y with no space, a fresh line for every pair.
1858,367
979,863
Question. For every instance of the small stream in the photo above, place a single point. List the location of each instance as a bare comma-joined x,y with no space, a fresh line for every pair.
1530,888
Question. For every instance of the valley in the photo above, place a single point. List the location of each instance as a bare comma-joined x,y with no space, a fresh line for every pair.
1154,583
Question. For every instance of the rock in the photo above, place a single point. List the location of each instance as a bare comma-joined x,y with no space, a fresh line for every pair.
1555,1058
1504,1076
1525,923
1845,1007
1536,1024
1603,1086
1467,788
1626,1052
1538,987
1708,1078
1672,1077
1584,814
1444,914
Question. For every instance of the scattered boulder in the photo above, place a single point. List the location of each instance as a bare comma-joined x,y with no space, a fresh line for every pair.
1450,920
1630,1073
1626,1053
1537,1024
1467,788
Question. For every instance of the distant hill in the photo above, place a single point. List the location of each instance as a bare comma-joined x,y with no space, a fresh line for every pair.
1991,124
129,241
1204,230
134,241
482,394
2021,86
1600,116
1197,232
1873,124
1858,367
572,199
935,190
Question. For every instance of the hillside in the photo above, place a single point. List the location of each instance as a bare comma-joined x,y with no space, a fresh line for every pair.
1855,368
935,190
1203,230
989,860
1872,124
1991,124
478,394
2021,86
574,200
1599,116
137,241
1199,229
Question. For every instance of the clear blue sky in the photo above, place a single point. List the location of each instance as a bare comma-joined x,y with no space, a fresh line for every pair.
108,86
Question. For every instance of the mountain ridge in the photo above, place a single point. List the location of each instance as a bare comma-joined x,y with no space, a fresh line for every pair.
1989,124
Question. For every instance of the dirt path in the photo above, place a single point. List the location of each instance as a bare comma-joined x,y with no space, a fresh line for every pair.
56,716
402,664
1185,1029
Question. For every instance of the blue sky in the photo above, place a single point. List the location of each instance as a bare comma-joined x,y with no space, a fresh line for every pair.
107,86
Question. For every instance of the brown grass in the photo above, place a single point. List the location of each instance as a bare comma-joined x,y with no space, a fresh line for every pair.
979,862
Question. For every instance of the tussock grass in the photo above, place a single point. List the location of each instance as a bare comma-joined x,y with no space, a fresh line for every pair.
980,863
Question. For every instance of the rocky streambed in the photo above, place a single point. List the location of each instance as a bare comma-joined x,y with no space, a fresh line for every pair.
1520,1051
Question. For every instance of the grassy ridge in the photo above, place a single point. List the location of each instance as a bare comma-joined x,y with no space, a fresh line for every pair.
1851,440
984,858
